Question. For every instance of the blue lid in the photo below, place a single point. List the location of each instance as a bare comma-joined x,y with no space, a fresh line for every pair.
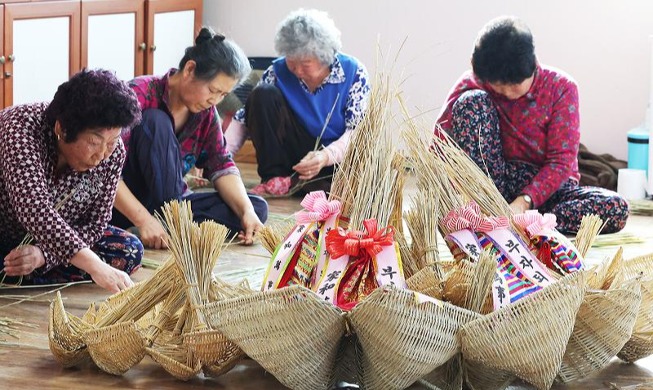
638,133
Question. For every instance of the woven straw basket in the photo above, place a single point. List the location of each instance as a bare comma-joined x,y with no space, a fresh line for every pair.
427,282
65,335
448,376
481,377
175,360
116,348
528,338
640,344
291,332
217,354
402,340
604,323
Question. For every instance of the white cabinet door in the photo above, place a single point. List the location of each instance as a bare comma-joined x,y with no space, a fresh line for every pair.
42,49
173,33
171,28
113,36
111,43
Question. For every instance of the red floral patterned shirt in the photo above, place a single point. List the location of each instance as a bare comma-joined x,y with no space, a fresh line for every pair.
201,140
541,128
30,189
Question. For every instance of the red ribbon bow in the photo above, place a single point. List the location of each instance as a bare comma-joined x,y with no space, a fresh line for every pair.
317,208
535,223
469,217
356,243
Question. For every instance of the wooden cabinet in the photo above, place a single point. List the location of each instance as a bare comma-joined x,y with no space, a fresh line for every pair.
41,49
45,42
113,36
171,27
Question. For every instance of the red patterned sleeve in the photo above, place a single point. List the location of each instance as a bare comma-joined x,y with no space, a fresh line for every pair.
562,143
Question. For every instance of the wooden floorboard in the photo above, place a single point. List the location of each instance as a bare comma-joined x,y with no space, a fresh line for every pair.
28,364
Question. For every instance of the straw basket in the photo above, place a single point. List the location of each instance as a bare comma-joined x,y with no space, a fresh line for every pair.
175,360
291,332
448,376
427,282
116,348
217,354
403,340
604,323
482,377
527,338
65,335
640,344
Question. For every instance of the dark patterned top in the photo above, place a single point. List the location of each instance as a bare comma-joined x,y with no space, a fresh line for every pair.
30,189
201,141
541,128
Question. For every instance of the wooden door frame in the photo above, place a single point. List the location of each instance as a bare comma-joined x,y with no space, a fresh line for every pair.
153,7
109,7
37,10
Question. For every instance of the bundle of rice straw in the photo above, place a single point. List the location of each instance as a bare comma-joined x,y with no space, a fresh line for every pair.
422,221
162,316
590,227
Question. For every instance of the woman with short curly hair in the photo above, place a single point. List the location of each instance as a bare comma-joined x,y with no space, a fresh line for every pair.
58,176
286,114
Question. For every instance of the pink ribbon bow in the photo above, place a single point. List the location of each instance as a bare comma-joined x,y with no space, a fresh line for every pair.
317,208
356,242
469,217
535,223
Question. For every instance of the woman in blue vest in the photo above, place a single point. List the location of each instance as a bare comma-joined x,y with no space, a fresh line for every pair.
286,114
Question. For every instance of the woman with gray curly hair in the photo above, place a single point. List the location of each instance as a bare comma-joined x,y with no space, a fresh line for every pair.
312,93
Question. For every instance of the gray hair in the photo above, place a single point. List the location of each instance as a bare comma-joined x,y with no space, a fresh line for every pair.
308,33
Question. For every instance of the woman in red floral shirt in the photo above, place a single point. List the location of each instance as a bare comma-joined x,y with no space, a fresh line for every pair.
519,121
59,170
180,129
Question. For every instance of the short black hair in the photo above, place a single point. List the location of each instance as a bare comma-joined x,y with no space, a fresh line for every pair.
92,99
214,54
504,52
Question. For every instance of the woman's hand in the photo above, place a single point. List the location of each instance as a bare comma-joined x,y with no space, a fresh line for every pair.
251,225
152,234
309,166
103,274
24,260
520,205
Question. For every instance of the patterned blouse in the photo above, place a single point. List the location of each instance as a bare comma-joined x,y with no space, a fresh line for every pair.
541,128
63,213
201,140
356,99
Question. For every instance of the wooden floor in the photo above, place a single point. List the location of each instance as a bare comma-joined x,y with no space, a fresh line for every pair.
27,363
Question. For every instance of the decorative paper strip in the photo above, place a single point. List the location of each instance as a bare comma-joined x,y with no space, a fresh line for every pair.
466,243
553,248
282,256
359,262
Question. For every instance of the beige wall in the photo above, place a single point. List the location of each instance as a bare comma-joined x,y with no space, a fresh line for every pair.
602,43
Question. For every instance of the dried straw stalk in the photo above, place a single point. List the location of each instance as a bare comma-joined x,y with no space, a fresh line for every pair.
590,226
367,182
196,250
422,221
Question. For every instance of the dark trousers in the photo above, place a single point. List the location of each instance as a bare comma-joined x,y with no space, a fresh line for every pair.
279,138
153,172
475,127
